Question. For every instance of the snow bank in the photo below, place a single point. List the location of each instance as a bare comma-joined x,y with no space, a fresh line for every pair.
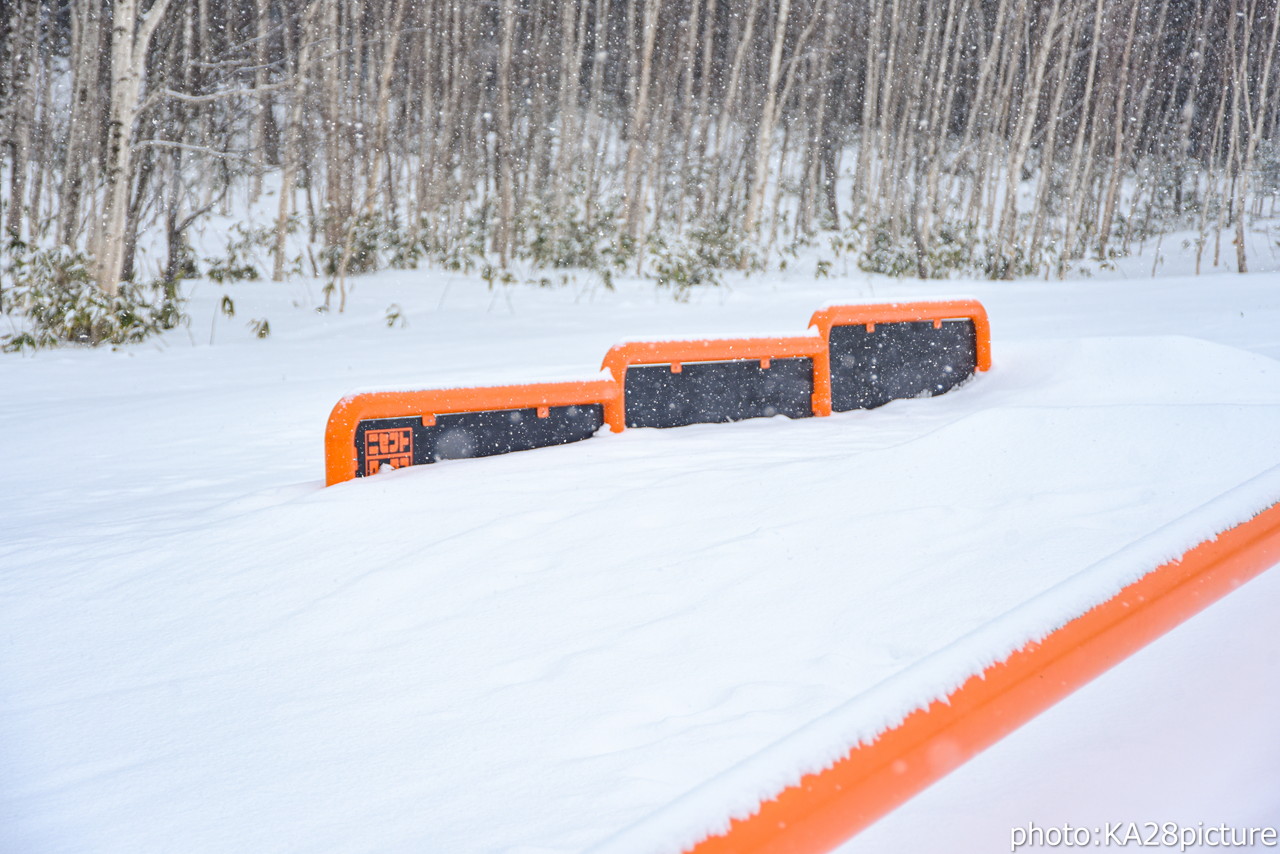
738,792
203,650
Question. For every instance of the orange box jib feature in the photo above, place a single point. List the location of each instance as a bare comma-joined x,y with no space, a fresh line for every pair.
856,357
401,428
707,381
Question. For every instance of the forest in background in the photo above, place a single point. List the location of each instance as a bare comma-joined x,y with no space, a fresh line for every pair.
928,138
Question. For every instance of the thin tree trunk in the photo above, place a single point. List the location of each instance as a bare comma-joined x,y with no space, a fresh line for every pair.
263,104
639,122
764,138
23,60
1026,124
1255,134
503,155
130,41
391,46
1118,145
293,134
85,50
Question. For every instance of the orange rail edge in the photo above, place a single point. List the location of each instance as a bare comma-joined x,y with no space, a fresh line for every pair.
674,353
825,809
340,460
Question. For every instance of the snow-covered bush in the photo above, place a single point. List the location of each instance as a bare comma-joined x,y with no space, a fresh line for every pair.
246,246
51,298
569,238
699,256
951,249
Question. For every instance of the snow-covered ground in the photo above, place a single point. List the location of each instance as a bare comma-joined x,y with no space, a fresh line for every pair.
201,649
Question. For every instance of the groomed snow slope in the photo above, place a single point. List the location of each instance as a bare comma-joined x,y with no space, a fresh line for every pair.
203,650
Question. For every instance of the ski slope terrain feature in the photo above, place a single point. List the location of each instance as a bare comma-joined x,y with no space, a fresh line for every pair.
579,646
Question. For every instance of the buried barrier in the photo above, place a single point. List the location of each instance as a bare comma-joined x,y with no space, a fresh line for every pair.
856,357
888,352
710,381
405,428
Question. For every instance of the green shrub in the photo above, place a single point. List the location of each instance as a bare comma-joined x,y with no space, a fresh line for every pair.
700,256
52,294
244,245
953,249
680,268
886,255
369,234
569,239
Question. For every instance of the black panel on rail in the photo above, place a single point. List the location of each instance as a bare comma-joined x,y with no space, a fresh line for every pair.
715,392
405,441
899,360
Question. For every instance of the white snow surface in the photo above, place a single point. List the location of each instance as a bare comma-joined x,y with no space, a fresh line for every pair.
611,644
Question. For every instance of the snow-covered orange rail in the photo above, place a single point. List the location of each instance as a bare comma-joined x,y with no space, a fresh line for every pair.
826,808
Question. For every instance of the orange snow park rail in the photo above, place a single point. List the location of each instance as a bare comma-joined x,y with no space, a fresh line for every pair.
825,809
677,353
341,451
728,379
911,312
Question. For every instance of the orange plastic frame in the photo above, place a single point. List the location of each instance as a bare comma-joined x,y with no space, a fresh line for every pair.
675,353
340,460
903,312
825,809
